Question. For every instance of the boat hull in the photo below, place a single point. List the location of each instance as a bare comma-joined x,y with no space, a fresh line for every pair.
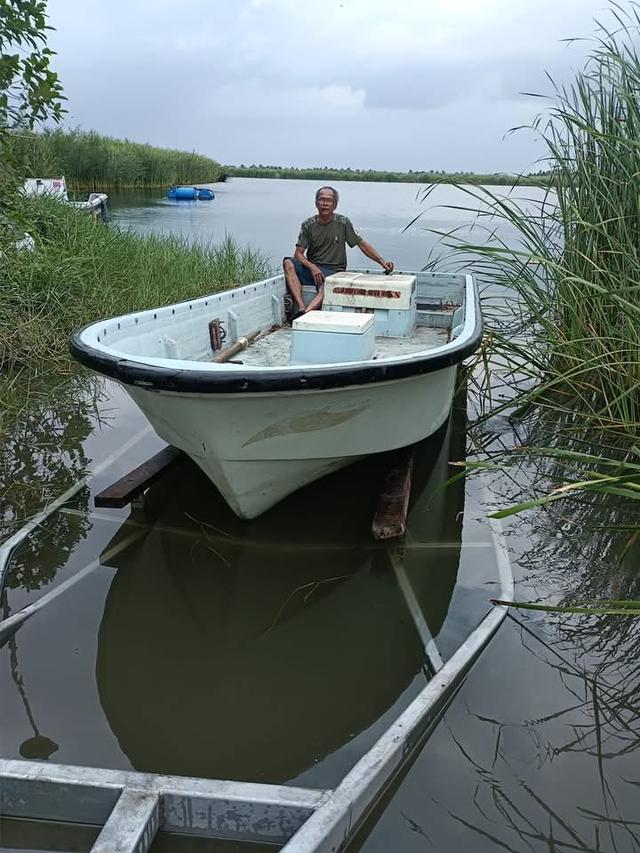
259,448
262,427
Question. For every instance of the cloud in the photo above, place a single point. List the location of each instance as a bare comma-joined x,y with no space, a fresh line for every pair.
392,83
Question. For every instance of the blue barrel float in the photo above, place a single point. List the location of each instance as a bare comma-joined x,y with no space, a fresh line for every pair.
191,193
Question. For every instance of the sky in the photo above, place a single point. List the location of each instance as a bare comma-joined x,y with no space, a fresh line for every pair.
371,84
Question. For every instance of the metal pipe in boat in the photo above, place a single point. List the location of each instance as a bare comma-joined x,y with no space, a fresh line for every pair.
242,343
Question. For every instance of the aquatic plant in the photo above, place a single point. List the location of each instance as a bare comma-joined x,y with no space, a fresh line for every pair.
561,358
565,328
90,161
558,376
81,271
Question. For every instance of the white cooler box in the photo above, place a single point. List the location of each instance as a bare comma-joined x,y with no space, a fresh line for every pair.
392,299
321,337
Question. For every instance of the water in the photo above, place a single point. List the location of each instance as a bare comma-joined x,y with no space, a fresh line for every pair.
279,649
267,214
203,645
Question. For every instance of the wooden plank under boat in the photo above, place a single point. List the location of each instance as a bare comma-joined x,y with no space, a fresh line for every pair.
261,427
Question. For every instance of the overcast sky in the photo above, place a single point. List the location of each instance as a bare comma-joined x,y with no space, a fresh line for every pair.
383,84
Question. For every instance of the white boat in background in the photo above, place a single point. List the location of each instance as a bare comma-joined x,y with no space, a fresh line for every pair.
373,371
95,205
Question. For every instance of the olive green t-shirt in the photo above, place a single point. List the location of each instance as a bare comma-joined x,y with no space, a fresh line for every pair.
325,244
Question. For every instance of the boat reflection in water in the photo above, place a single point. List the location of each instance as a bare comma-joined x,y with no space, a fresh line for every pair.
253,650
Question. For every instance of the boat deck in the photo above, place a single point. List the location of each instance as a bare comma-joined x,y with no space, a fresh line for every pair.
274,349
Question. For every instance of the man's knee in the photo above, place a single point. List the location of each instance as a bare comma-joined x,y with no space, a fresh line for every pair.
287,265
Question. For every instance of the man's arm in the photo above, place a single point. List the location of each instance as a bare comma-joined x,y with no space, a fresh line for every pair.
368,250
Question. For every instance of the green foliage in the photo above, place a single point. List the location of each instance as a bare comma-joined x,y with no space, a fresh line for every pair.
426,177
578,472
81,271
90,161
30,91
562,353
571,277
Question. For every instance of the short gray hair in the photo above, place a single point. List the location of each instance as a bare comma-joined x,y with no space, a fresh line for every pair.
333,190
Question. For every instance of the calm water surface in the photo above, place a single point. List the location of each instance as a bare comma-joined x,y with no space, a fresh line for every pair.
279,649
266,214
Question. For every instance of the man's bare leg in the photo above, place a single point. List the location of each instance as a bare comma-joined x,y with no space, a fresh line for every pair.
293,283
316,302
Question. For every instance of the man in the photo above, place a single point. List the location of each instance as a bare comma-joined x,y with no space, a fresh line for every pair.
321,251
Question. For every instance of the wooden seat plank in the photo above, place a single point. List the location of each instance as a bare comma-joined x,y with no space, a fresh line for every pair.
124,490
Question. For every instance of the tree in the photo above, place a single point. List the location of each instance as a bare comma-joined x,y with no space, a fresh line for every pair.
30,91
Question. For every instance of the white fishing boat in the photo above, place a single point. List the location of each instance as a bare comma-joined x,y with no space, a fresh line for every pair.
286,404
94,205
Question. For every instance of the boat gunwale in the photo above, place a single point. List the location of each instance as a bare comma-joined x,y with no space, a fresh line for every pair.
290,378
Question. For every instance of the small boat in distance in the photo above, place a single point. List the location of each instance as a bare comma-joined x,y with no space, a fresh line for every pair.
191,193
95,204
264,407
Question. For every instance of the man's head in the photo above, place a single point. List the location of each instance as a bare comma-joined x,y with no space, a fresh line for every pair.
326,200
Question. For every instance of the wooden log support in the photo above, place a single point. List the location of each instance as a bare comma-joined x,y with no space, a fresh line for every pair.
390,519
135,482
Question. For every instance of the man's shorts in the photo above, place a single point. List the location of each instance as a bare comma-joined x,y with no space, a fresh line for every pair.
304,273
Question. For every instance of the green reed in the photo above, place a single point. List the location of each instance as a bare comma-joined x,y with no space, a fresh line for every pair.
561,356
570,332
81,271
92,162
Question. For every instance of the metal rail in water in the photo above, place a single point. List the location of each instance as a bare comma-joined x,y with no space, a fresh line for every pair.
133,807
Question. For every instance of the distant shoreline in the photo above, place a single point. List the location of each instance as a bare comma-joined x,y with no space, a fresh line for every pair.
373,175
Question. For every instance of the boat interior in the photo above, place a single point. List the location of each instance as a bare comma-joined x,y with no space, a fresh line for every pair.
428,311
273,349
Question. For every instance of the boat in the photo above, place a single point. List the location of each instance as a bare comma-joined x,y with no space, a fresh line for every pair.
191,193
94,205
296,401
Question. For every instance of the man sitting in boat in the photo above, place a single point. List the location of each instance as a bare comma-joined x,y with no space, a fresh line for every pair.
321,251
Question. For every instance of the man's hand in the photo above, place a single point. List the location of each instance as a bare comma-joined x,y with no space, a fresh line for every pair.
318,275
387,266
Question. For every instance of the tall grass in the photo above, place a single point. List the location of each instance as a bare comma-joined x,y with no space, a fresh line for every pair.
90,161
572,282
81,271
561,356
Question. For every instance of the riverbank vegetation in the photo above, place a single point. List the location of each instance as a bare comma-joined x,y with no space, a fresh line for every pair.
562,354
81,271
30,91
419,177
90,161
571,276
